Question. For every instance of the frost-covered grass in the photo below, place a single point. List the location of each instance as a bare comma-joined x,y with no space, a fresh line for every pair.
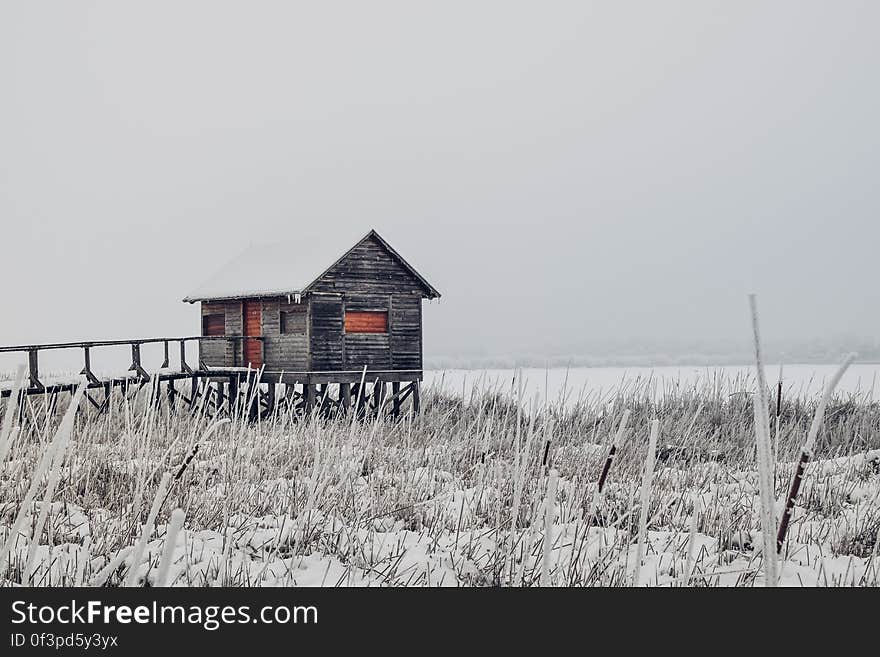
455,496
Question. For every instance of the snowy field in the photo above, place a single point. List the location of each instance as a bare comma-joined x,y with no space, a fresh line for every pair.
466,494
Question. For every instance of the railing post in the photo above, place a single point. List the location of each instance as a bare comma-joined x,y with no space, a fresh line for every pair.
165,362
34,369
87,370
183,366
136,361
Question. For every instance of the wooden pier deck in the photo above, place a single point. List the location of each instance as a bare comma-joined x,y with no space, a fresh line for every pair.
223,390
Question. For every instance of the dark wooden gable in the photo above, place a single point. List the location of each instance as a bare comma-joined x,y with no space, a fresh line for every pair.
371,279
372,267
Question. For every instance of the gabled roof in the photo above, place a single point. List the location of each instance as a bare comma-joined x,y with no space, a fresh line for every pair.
280,269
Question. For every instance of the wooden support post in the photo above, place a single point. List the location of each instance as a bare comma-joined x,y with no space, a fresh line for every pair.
395,399
322,391
308,397
361,403
34,370
416,398
294,396
232,395
172,393
270,399
345,396
193,392
211,395
165,361
378,395
287,397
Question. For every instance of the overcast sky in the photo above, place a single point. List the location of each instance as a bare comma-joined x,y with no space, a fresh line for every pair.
564,173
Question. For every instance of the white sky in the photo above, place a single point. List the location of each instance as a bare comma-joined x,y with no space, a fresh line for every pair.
564,173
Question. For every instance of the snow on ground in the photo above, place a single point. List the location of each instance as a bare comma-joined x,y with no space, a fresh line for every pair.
831,541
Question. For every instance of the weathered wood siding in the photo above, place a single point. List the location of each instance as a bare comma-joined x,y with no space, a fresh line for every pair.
287,352
405,321
220,353
367,279
326,332
370,349
368,269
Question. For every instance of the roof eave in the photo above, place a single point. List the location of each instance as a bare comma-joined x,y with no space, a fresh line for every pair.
235,297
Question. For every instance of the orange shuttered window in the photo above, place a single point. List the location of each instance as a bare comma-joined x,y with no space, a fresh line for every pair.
366,322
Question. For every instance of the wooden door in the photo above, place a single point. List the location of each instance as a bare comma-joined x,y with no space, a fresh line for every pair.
253,327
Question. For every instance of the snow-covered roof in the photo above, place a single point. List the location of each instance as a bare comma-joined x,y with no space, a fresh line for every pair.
281,269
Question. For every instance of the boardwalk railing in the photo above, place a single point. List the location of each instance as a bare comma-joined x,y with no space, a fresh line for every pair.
33,351
223,386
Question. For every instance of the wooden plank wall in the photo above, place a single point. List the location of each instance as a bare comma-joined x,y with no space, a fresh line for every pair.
288,352
370,349
406,331
368,278
326,332
368,269
220,353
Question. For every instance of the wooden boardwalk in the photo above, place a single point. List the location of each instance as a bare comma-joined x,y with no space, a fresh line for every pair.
222,390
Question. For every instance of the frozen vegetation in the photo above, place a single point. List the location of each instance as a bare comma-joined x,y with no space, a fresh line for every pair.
496,488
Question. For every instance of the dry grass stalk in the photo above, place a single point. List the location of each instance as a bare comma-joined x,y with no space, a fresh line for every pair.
645,499
765,457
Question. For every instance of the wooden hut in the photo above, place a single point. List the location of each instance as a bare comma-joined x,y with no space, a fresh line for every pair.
313,316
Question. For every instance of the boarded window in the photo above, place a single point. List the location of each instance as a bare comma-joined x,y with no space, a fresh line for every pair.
364,321
214,324
293,322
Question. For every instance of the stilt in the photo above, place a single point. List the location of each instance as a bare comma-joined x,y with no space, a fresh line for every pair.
345,396
270,399
308,398
395,399
232,396
361,401
172,393
416,398
193,392
378,395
